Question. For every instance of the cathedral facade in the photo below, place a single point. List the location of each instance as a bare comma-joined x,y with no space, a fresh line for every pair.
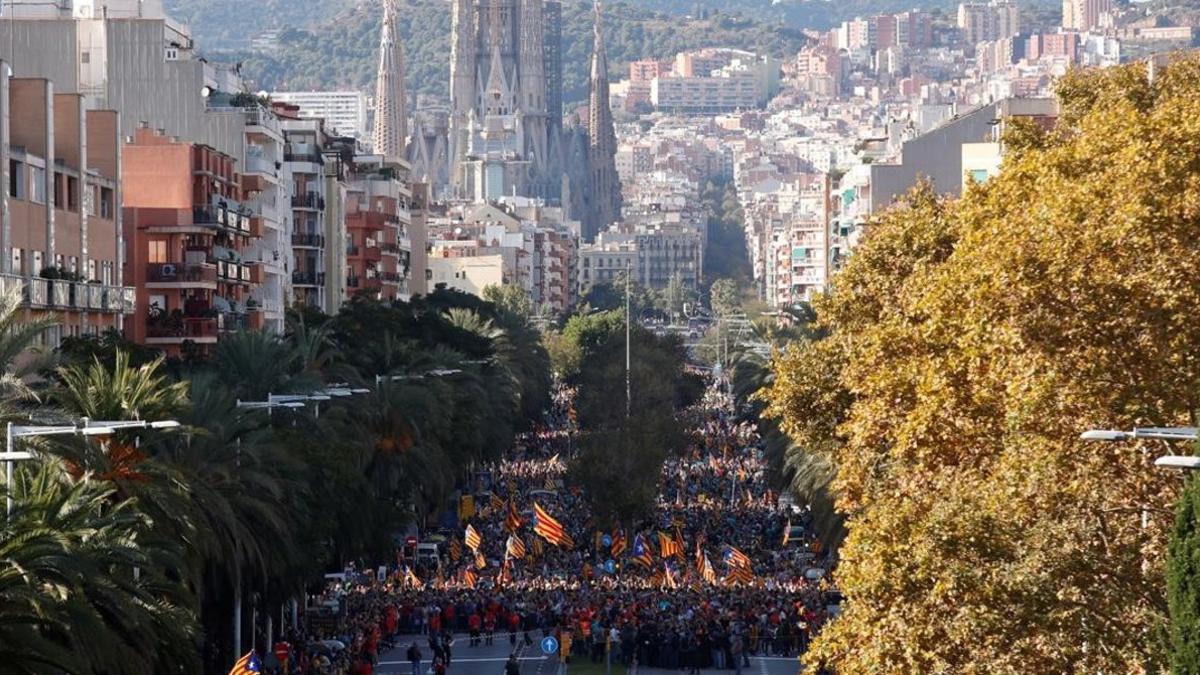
500,130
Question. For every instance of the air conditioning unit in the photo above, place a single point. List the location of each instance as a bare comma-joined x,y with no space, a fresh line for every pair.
166,271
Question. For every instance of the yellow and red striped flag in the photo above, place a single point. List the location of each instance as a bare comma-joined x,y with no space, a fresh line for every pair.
480,561
739,575
735,558
668,547
247,665
469,578
472,538
410,578
787,532
515,548
496,503
669,576
512,521
549,528
618,543
455,550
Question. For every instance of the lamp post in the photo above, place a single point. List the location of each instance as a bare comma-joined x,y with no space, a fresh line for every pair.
11,456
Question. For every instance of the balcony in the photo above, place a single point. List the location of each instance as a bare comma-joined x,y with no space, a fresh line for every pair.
232,272
234,220
389,277
353,251
175,328
353,282
311,201
307,240
390,249
181,275
308,278
372,253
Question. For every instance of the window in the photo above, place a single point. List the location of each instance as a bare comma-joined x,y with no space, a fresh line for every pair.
60,198
73,264
85,57
16,261
16,182
979,175
106,203
156,252
91,271
72,193
37,185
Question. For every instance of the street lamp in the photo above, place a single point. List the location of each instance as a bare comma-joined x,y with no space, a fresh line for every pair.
10,456
1152,433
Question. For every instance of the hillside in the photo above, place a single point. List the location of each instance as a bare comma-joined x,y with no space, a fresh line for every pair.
342,51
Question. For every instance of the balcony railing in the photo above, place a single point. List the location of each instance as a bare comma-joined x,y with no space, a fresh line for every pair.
183,328
308,278
353,282
180,273
309,240
308,201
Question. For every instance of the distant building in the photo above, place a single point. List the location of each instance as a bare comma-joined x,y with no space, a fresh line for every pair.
981,22
344,112
1086,15
716,81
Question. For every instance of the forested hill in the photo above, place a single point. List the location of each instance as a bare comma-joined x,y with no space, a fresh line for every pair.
342,51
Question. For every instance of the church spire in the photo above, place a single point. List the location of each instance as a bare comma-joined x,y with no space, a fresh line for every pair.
391,106
605,188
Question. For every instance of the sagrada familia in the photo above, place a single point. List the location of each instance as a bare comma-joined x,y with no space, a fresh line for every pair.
504,134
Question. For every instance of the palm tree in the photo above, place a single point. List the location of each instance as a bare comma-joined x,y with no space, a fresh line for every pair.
69,594
17,336
253,364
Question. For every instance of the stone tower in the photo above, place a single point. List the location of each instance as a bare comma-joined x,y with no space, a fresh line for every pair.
499,134
391,102
604,189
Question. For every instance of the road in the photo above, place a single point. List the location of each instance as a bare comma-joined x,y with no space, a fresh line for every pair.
485,660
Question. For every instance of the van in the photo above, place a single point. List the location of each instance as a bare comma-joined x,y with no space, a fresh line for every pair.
427,554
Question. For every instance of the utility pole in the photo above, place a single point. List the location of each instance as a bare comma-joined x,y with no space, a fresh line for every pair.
628,319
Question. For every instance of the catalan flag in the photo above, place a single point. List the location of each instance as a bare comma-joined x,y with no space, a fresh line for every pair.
549,528
735,558
455,550
537,548
512,521
469,578
472,538
550,485
739,575
480,561
505,573
496,503
669,579
618,543
515,548
247,664
668,547
706,570
641,552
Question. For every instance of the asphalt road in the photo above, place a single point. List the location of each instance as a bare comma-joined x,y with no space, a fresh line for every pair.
489,660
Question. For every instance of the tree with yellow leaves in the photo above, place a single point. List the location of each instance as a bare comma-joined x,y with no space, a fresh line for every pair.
969,343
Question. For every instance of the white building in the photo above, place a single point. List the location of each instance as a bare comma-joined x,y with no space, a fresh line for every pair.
344,112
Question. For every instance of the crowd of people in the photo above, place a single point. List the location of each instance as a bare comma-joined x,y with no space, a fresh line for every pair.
725,572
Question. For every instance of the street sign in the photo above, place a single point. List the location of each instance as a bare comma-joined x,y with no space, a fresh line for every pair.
549,645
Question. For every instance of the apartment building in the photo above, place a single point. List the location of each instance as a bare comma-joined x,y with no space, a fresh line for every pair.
60,227
187,231
1086,15
379,243
980,22
746,81
344,112
315,203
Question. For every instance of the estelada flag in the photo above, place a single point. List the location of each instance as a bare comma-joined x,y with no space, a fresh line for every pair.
735,558
739,575
247,665
707,571
641,552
